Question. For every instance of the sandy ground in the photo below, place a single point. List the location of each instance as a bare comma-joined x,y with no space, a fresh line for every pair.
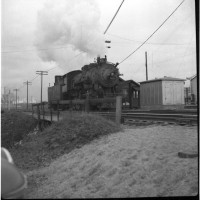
139,162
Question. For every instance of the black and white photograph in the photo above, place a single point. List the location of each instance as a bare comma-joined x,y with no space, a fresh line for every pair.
99,99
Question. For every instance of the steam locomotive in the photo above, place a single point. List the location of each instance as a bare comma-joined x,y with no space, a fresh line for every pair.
99,80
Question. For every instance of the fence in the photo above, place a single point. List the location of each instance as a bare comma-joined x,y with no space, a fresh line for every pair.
44,111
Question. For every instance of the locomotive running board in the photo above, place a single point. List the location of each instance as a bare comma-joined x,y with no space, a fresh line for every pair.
82,101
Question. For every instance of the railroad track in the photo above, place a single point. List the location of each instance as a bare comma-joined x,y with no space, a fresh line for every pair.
138,116
133,117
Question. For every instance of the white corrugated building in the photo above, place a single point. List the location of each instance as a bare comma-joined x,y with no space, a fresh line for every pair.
162,93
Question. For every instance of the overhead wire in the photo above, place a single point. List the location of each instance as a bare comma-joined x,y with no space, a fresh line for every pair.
68,62
31,50
183,60
7,52
29,81
152,33
113,17
34,78
150,43
49,70
181,25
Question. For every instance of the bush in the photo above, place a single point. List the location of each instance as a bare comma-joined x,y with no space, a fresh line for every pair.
72,132
14,127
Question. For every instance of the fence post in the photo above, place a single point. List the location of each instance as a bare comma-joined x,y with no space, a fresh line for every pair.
51,111
118,110
39,121
58,110
87,103
43,109
32,110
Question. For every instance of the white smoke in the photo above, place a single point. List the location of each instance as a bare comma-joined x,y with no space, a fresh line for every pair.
66,28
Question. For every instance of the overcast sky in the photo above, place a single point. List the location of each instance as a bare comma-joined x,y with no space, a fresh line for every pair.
63,35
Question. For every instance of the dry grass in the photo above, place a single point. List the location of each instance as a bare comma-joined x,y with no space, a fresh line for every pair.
139,162
72,132
15,126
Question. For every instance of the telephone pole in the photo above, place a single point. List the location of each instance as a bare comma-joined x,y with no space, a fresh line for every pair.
16,96
27,83
146,66
41,73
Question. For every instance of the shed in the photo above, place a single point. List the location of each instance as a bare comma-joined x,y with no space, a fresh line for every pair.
162,93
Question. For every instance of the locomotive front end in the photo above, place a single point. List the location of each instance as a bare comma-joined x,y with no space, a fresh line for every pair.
109,75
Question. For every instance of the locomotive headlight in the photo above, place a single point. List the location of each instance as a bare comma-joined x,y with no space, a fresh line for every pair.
112,75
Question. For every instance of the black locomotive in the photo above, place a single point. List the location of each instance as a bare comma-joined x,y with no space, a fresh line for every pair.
98,80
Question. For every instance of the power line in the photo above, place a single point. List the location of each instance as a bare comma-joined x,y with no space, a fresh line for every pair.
113,17
183,60
150,43
34,78
31,50
30,81
68,61
49,70
153,32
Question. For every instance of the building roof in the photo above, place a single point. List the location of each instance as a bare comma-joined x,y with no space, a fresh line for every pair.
129,81
193,77
165,78
190,78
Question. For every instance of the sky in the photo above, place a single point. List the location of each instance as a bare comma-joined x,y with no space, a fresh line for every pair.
59,36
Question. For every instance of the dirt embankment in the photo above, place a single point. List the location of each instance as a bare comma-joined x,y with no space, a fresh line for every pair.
71,160
140,162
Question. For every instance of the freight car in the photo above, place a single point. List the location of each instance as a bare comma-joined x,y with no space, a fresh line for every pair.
99,80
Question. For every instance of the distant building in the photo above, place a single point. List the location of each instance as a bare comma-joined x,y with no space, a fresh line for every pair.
193,83
193,86
187,95
162,93
33,100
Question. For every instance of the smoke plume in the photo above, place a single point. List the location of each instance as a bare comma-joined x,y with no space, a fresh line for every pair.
68,32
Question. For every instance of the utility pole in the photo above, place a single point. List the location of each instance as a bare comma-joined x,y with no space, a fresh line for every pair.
41,73
146,66
16,96
27,83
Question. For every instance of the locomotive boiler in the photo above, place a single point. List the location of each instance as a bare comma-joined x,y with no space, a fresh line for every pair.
97,80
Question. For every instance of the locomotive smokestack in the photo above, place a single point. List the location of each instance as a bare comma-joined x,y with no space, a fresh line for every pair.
116,64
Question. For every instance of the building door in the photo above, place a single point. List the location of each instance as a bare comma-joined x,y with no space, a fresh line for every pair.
168,93
135,99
